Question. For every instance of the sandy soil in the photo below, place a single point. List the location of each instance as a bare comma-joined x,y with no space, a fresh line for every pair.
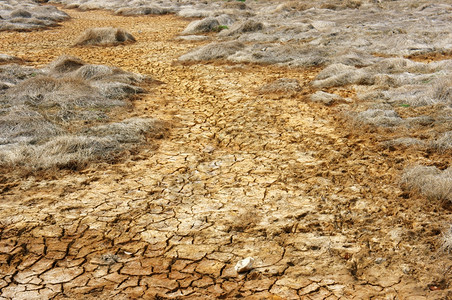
317,204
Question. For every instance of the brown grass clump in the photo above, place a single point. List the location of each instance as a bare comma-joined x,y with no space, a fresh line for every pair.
104,36
429,181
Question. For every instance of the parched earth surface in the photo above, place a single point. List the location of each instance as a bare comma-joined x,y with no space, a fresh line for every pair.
317,204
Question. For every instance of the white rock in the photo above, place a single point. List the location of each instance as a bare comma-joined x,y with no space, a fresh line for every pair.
244,265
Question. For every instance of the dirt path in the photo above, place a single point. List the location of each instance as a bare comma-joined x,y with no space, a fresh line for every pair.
241,175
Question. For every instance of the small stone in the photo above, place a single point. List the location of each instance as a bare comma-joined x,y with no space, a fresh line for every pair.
379,260
244,265
406,269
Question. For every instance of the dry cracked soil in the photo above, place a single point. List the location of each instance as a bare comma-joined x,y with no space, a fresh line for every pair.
316,203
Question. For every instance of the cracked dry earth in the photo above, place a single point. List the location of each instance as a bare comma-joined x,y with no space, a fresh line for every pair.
241,174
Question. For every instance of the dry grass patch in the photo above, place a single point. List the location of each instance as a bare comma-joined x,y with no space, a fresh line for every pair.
429,181
104,36
213,51
52,117
28,15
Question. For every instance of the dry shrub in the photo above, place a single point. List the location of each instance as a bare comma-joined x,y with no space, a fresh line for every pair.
428,181
213,51
104,36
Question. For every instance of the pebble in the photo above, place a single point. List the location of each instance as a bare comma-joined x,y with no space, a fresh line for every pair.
244,265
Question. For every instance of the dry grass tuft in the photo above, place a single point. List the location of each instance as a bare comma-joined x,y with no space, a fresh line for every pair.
21,124
201,26
66,64
442,91
144,10
7,59
242,27
325,98
213,51
131,131
63,152
104,36
287,86
428,181
443,143
235,5
292,5
447,240
98,143
377,117
403,142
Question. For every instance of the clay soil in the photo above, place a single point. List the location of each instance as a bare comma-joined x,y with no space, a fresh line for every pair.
316,203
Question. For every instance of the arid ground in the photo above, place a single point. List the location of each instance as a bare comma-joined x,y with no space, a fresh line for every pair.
316,202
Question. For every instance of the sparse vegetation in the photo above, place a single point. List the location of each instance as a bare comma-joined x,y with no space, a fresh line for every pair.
39,106
28,15
253,168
